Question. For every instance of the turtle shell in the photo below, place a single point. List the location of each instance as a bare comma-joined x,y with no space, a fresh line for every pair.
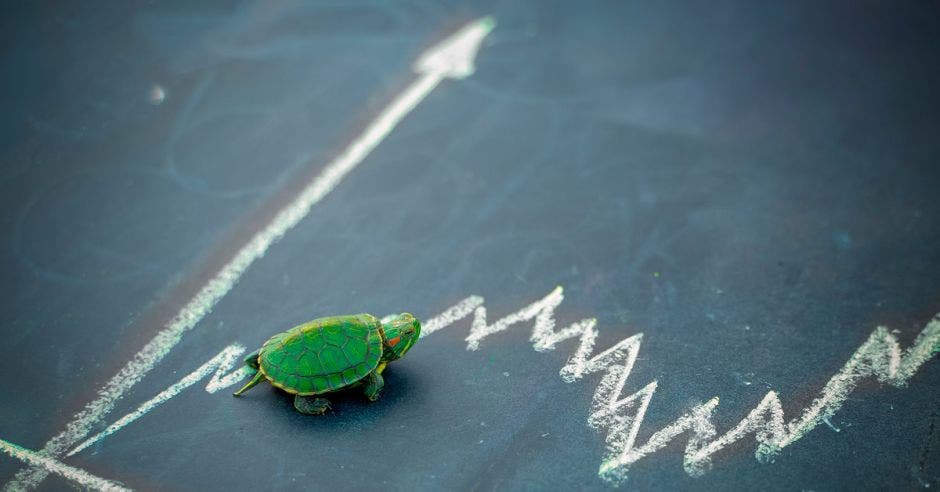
322,355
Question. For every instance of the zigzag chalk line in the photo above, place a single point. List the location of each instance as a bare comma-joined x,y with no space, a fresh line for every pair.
880,356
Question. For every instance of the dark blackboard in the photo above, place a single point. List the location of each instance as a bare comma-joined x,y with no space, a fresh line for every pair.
740,198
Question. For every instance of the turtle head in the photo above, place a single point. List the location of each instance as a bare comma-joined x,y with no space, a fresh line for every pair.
399,334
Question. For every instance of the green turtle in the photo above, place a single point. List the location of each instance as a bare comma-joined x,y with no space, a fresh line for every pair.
330,354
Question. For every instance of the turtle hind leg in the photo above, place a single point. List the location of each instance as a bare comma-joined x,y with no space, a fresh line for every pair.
259,376
251,360
311,405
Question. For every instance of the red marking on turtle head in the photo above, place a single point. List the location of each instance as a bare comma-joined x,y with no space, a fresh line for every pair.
394,341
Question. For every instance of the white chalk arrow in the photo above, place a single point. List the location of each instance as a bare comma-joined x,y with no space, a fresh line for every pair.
454,56
451,58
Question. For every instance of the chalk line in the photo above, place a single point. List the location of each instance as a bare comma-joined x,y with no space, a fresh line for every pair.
228,357
880,356
451,58
51,465
217,366
451,315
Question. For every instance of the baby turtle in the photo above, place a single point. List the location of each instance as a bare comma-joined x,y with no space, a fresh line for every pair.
330,354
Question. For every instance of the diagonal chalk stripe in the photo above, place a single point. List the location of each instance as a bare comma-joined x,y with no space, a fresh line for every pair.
218,365
76,475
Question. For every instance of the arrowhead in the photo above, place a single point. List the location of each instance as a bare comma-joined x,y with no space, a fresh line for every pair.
453,57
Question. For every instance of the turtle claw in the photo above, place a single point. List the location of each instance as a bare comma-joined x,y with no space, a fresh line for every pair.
311,405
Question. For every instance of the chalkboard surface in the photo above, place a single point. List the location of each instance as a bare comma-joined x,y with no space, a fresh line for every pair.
688,245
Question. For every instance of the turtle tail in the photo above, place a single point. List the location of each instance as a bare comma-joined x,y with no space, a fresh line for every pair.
251,384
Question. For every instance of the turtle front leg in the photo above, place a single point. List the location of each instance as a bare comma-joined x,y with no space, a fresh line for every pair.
311,405
374,384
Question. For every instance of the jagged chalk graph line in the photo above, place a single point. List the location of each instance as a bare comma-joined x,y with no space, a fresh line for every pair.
880,357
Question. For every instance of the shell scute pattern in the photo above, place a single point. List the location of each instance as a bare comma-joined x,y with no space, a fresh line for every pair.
355,351
305,365
335,336
324,355
335,381
333,357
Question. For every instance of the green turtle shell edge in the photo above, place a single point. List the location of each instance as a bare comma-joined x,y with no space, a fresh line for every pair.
323,355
